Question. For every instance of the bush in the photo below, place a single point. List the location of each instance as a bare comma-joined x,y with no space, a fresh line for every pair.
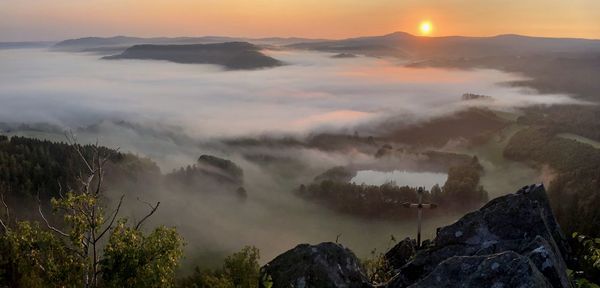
239,270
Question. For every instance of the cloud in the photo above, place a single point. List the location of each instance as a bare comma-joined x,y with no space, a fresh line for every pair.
179,109
313,91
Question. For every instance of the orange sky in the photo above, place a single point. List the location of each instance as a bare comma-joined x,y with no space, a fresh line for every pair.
60,19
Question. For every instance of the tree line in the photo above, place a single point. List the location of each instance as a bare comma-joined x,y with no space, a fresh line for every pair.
461,191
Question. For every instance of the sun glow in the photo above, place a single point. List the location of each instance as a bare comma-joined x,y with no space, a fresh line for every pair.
425,27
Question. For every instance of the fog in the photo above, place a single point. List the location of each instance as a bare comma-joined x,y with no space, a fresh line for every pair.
313,91
175,113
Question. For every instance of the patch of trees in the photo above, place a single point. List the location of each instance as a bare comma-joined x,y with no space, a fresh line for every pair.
29,167
473,96
461,191
582,120
337,174
571,73
574,191
90,245
239,270
475,125
210,171
231,55
587,251
33,169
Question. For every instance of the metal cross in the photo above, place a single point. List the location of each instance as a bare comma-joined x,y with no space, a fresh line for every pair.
419,207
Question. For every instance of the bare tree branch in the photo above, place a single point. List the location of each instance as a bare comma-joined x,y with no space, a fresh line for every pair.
7,212
114,216
153,209
48,223
71,139
3,225
60,190
46,220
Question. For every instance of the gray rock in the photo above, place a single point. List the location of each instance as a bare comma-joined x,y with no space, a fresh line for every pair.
522,222
326,265
502,270
401,253
512,241
521,216
542,254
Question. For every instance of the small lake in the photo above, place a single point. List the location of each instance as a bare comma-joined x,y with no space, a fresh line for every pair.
401,178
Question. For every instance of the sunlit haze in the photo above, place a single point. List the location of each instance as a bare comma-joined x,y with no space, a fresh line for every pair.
426,27
300,143
60,19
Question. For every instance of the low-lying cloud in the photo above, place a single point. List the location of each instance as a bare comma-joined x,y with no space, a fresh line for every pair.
179,109
312,91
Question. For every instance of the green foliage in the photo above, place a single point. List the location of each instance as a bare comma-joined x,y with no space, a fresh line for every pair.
462,186
365,200
242,267
132,259
587,250
74,209
33,257
460,192
29,166
573,190
378,269
541,146
239,270
582,120
223,170
76,252
584,283
208,278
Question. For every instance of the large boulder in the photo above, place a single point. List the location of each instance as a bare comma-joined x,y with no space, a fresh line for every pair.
502,270
326,265
401,253
521,222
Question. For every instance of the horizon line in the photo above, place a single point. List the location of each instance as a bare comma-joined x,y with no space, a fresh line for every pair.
302,37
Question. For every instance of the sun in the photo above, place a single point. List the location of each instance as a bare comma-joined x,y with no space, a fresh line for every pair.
425,27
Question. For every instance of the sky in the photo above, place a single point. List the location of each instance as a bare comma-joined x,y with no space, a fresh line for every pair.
24,20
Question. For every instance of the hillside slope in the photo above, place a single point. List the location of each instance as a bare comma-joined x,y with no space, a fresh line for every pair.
231,55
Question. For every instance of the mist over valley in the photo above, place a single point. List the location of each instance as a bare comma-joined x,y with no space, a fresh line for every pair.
272,142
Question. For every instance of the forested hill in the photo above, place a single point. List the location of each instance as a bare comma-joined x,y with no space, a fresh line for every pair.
231,55
31,166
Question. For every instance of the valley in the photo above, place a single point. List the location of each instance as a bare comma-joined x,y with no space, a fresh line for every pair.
275,141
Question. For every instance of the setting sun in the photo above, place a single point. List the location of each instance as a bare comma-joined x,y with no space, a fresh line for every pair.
425,27
419,134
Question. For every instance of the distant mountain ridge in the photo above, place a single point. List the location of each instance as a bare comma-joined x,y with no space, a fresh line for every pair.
402,44
231,55
94,43
397,44
25,44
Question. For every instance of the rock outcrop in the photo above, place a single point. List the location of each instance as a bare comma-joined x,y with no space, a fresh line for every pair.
520,223
326,265
502,270
512,241
401,253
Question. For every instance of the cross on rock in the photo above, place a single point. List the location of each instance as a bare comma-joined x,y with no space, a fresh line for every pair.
420,205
